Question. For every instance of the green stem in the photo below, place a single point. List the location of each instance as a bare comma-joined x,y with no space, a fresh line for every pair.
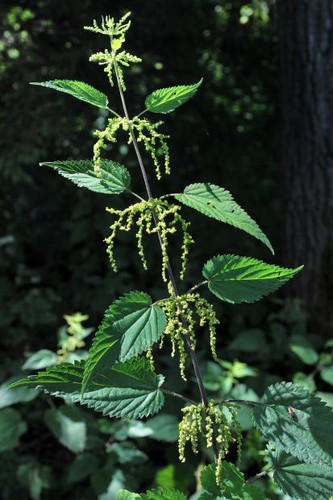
113,112
202,390
135,194
179,396
195,287
244,402
261,474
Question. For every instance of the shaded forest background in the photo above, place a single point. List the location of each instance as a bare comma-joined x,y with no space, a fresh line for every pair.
53,259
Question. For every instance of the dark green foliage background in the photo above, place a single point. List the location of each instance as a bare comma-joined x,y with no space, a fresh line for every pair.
53,259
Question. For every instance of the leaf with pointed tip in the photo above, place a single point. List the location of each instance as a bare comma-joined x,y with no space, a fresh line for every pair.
296,420
129,390
232,481
61,380
218,203
131,325
77,89
113,179
300,480
238,279
167,99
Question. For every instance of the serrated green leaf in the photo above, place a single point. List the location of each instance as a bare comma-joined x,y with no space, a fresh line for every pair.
296,420
163,494
130,326
11,428
232,484
70,433
129,390
218,203
62,380
300,480
238,279
168,99
77,89
113,179
127,495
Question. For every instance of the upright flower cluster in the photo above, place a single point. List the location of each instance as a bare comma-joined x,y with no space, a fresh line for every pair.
199,420
113,58
150,216
180,312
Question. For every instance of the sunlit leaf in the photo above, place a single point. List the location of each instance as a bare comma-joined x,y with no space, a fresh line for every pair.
238,279
130,326
113,179
219,204
77,89
168,99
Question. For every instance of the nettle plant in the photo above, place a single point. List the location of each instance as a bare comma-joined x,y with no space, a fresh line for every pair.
118,377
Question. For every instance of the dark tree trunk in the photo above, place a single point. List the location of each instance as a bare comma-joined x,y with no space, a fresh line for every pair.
306,40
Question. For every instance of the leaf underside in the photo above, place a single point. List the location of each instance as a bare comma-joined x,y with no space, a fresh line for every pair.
113,179
129,390
167,99
80,90
300,480
130,326
218,203
297,421
237,279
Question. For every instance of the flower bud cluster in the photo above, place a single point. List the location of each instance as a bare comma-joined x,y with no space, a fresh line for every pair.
113,59
199,420
180,311
153,141
150,217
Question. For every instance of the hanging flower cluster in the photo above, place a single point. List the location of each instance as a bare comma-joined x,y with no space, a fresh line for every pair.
153,141
179,311
199,420
151,216
116,32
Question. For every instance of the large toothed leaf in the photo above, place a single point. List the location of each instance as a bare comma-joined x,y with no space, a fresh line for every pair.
238,279
80,90
300,480
129,390
233,484
168,99
61,380
113,179
294,419
218,203
130,326
163,494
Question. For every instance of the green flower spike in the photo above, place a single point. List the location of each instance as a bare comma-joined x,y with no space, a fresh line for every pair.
199,420
142,215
